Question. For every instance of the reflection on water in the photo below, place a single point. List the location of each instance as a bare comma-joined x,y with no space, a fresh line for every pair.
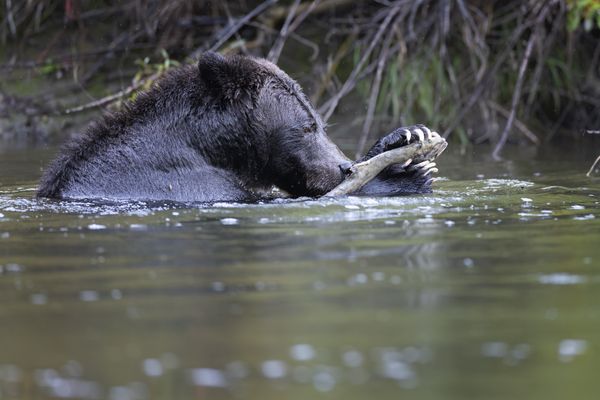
485,289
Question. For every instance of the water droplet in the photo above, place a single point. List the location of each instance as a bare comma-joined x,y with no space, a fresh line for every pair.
378,276
208,377
152,367
584,217
89,295
352,358
521,351
302,352
561,279
397,370
360,278
274,369
569,348
96,227
324,381
14,268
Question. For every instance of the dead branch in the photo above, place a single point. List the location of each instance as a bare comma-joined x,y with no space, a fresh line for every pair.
515,100
228,32
275,51
113,97
383,59
518,124
329,107
593,167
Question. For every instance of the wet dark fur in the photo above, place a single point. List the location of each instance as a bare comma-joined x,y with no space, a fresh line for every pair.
225,129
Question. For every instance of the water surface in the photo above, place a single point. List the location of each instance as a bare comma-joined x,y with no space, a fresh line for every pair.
487,288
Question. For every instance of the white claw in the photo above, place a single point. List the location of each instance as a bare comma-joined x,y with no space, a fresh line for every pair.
407,163
419,133
427,132
430,171
407,134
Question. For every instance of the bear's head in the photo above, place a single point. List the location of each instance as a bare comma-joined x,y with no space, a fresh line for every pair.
282,132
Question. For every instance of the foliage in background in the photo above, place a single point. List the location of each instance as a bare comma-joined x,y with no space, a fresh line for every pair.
482,71
583,12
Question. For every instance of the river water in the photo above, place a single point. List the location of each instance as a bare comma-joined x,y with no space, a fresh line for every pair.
487,288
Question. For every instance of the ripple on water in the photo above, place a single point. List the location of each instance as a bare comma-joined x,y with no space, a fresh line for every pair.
208,377
568,349
561,279
302,352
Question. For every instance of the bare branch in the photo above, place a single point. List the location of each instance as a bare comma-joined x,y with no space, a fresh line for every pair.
515,99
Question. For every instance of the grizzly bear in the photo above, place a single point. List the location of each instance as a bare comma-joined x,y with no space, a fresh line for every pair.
226,129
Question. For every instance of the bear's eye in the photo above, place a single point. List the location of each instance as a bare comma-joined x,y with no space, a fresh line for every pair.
310,128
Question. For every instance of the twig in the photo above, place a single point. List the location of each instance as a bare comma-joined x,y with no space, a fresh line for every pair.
383,57
230,31
589,173
518,124
333,65
113,97
515,99
332,103
275,51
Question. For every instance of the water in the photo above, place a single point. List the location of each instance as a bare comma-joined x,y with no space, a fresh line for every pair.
487,288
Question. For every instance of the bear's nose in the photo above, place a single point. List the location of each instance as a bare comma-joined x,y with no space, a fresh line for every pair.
345,167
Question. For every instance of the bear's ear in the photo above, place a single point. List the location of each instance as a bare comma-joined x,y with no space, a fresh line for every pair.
230,79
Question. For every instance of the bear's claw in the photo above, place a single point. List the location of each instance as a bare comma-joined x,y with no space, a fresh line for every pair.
399,138
423,168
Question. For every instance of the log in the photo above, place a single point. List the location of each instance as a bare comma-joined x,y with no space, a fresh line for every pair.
363,172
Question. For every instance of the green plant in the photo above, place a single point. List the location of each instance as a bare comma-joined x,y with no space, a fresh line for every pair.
584,13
